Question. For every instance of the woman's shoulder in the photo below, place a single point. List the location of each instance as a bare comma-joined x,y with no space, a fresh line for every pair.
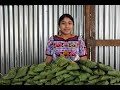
51,38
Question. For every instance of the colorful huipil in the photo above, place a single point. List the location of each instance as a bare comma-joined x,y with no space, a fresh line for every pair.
72,48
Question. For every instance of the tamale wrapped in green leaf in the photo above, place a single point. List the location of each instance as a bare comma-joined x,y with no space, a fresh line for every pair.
93,81
90,64
61,61
17,83
54,81
5,81
17,80
115,84
50,76
114,73
61,72
31,71
83,62
66,75
79,83
43,80
77,73
98,72
38,77
69,79
105,67
30,81
40,67
69,83
77,80
103,83
22,71
37,83
84,76
48,83
11,73
72,66
93,77
60,78
114,80
57,69
86,69
105,77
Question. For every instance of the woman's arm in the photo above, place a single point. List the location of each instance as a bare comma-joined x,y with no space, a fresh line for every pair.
48,59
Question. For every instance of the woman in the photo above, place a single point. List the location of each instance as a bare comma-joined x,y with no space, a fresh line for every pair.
66,43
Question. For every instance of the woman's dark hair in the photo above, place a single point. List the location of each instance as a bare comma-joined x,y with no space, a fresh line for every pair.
63,16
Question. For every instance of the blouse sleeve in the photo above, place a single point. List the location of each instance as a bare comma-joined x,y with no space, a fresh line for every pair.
82,47
50,46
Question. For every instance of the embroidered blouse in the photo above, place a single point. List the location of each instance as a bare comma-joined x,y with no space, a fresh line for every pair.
72,48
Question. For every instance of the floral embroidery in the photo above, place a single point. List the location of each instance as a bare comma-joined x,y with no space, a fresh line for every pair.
70,48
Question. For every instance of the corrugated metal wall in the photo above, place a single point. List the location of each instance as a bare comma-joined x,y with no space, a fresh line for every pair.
25,29
108,27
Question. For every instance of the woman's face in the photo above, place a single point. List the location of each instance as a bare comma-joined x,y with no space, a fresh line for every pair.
66,26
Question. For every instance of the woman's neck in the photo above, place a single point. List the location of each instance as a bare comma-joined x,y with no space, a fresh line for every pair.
66,36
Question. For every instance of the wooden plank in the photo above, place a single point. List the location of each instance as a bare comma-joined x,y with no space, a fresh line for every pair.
107,42
92,28
87,27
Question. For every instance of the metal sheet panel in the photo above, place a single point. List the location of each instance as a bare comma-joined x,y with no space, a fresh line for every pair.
107,27
2,40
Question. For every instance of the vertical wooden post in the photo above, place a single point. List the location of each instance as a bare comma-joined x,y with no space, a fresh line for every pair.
87,28
92,29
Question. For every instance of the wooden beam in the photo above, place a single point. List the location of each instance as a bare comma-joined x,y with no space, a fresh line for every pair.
87,27
107,42
92,28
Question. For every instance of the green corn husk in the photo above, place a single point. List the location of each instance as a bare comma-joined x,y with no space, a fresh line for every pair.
11,73
22,71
